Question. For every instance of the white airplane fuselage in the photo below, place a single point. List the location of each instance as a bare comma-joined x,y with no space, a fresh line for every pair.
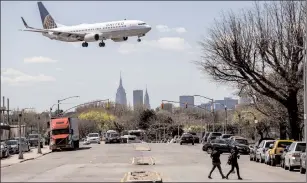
115,30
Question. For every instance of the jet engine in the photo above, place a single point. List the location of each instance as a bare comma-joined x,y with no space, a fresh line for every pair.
120,39
92,37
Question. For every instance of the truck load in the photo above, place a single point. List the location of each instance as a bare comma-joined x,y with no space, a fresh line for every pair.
64,133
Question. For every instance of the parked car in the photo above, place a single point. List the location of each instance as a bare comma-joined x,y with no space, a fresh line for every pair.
14,146
253,149
262,148
93,138
223,145
33,140
277,149
242,147
293,155
213,135
226,136
303,162
4,150
196,138
187,138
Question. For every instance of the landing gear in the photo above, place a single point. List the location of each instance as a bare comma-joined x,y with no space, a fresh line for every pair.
139,40
102,44
84,44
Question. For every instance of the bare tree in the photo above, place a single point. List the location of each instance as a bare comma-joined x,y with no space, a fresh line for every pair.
256,49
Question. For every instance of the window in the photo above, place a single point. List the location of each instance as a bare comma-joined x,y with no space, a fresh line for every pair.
60,131
33,136
141,23
11,142
300,146
242,141
261,144
93,135
284,144
267,144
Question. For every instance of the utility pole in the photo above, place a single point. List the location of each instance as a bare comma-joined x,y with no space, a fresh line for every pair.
39,150
212,106
226,118
19,145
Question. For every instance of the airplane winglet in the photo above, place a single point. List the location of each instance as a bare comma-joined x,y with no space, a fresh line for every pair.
25,24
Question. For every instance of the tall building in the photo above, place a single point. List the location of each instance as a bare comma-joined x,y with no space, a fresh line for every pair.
146,100
121,93
186,99
168,107
137,98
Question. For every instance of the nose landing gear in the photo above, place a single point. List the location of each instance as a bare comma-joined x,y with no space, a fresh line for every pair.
139,40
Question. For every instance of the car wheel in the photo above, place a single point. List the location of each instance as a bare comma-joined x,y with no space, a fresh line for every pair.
302,170
180,143
290,167
193,143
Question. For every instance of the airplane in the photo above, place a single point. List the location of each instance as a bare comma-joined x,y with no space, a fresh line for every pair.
117,31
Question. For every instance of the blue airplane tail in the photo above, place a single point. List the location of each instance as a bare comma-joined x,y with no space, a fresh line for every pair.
47,20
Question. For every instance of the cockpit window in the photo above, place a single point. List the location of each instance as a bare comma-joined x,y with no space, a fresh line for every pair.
141,23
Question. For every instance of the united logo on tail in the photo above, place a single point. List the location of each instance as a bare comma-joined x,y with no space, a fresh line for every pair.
47,20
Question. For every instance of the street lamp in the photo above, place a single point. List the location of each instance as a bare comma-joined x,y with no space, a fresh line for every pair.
39,150
212,107
20,155
65,99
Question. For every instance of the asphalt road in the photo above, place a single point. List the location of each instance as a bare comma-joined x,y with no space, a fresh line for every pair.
110,162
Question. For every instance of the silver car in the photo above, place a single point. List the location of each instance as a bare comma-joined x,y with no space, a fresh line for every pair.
293,155
93,138
4,150
262,148
14,146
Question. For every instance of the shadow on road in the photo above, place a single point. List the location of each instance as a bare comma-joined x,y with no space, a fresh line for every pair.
83,148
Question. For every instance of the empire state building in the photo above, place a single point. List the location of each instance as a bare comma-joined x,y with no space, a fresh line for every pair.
121,93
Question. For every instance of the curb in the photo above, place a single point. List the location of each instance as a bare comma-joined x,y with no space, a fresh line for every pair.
27,159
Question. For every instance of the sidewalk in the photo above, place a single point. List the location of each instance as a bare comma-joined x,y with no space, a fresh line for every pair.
13,159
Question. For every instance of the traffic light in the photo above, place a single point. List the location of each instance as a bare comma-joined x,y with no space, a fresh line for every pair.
162,106
186,105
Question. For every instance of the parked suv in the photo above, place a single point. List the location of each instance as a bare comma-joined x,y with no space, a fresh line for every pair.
293,155
213,135
196,138
33,140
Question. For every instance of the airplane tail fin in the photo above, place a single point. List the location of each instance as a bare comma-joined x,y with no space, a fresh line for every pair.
47,20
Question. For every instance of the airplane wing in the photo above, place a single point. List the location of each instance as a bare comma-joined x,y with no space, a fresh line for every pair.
55,32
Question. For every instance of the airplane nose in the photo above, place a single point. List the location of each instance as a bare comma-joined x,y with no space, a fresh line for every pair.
148,28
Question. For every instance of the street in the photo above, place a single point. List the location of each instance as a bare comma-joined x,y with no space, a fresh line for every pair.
110,162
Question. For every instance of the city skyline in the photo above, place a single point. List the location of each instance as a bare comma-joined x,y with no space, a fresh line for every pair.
162,60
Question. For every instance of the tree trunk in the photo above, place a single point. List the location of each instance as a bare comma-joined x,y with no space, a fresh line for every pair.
292,109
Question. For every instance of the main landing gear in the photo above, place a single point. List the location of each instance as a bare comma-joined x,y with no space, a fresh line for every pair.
139,40
84,44
102,44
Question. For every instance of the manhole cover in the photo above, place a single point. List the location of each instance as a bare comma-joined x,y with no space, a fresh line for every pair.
143,176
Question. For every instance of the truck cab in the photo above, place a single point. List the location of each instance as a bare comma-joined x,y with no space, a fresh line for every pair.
64,133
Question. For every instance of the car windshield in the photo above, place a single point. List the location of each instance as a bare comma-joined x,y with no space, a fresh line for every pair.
193,133
33,136
114,135
186,135
226,136
300,146
216,134
131,138
60,131
11,142
218,141
267,144
242,141
93,135
284,144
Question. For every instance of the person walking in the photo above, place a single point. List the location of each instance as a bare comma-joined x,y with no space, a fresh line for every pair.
233,161
216,162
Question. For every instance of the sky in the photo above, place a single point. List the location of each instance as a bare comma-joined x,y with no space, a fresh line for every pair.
37,71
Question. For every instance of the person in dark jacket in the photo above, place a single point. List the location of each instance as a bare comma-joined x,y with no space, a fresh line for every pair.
233,161
216,162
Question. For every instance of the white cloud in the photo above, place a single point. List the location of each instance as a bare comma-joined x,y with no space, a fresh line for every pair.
165,28
165,43
14,77
59,69
39,59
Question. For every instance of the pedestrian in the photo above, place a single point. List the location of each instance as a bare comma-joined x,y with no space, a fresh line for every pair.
216,162
233,161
